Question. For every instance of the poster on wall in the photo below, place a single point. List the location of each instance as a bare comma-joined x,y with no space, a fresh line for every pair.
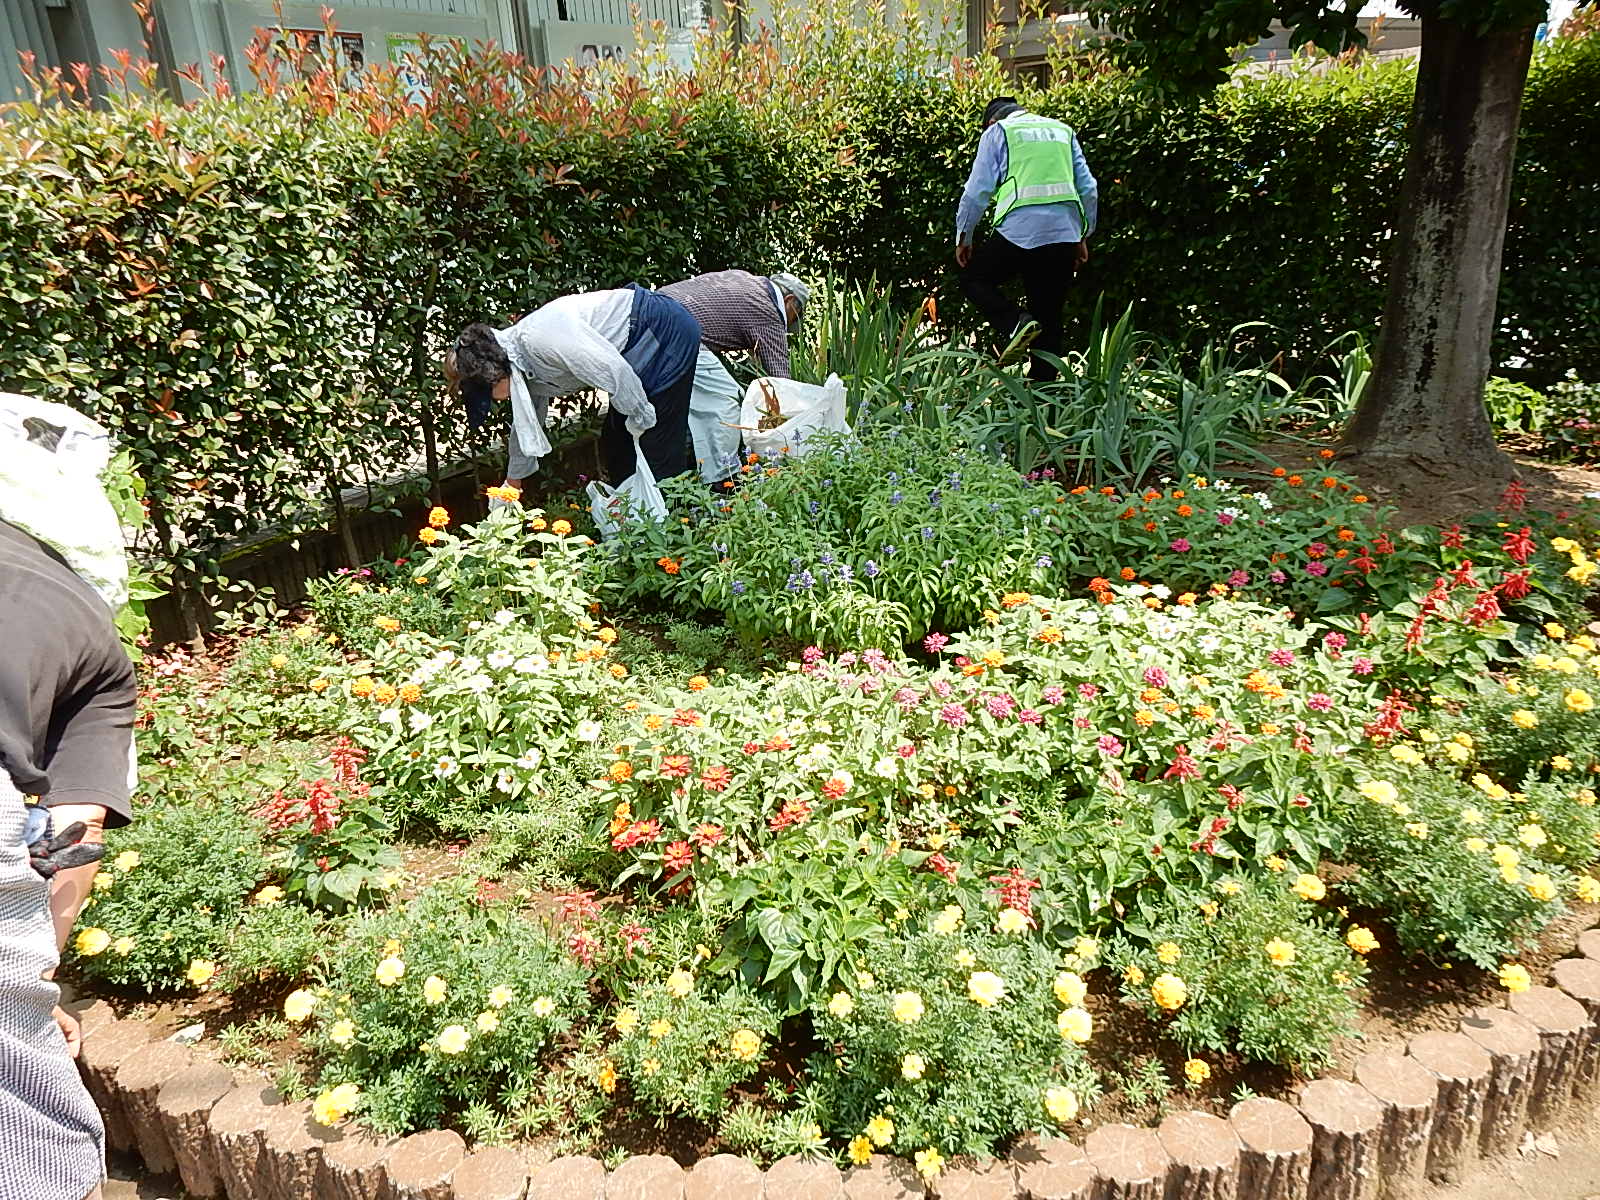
349,51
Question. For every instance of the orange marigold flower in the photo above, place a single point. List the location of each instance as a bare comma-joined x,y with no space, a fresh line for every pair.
654,721
1328,481
1150,695
1128,574
537,524
1081,489
1015,599
1108,491
1257,681
1149,526
1171,708
1152,495
607,635
1341,553
410,693
363,686
1204,712
618,671
1049,635
1295,481
1358,498
1185,510
620,771
1151,602
1324,453
561,528
1144,718
438,518
1346,535
1279,472
1099,584
670,565
1178,493
698,683
427,536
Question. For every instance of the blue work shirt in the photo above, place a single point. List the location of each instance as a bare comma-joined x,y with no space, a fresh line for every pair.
1033,225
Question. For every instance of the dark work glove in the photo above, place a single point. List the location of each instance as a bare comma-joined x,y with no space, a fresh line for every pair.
64,851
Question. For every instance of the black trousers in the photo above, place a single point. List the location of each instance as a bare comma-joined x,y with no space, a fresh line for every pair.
665,444
1046,273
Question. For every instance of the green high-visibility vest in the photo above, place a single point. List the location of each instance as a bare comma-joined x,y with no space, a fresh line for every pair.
1039,165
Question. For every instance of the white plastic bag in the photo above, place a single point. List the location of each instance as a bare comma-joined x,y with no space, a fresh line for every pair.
810,409
636,496
51,458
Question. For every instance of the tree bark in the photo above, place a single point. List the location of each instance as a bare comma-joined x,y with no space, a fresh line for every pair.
1424,406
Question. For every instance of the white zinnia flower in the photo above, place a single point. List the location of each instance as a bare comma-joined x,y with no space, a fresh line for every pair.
531,759
419,720
446,767
587,731
478,684
501,659
504,617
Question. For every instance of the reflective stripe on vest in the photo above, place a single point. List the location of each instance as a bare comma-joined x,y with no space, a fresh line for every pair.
1038,165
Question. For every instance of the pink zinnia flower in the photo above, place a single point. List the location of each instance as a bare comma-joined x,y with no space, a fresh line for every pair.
1181,545
1281,658
1000,707
935,642
1109,745
1053,694
1316,568
1088,691
1155,677
1238,579
1362,666
1319,702
1029,716
954,715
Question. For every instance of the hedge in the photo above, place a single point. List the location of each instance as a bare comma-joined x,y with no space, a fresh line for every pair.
252,291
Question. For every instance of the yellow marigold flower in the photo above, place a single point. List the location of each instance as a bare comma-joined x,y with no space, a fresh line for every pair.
880,1130
1279,952
1133,975
1579,701
606,1077
1144,718
1210,909
91,941
986,988
200,972
123,946
912,1066
387,624
1276,864
453,1039
841,1005
561,528
544,1006
1566,665
1514,977
390,971
1061,1104
1505,856
860,1150
1525,718
929,1163
1268,728
1471,816
1011,921
1168,953
965,959
651,1065
1309,887
1463,739
1169,992
126,861
336,1104
1409,755
1070,989
1541,887
342,1032
659,1028
1457,753
299,1004
1197,1070
1417,829
1476,844
626,1021
908,1008
1561,763
949,920
698,683
680,983
488,1021
318,685
1532,836
1086,947
1379,791
1585,797
362,687
1232,887
278,661
1360,939
1075,1025
1510,875
865,981
1587,889
438,517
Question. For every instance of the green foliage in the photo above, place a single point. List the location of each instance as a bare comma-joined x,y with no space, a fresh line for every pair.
350,605
953,1035
682,1047
274,941
174,886
506,995
1451,865
1257,969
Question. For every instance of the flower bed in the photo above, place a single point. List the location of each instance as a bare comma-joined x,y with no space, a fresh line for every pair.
856,901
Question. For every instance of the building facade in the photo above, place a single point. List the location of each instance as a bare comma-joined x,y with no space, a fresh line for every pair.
548,32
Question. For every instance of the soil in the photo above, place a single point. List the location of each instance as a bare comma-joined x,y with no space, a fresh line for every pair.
1421,499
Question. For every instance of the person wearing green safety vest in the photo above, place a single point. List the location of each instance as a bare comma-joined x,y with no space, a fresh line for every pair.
1046,202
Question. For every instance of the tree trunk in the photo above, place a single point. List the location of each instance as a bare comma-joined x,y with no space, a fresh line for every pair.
1424,406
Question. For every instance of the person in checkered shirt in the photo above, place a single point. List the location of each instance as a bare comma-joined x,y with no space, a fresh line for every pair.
738,313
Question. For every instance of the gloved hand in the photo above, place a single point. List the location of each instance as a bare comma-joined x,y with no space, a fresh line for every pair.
62,852
641,421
